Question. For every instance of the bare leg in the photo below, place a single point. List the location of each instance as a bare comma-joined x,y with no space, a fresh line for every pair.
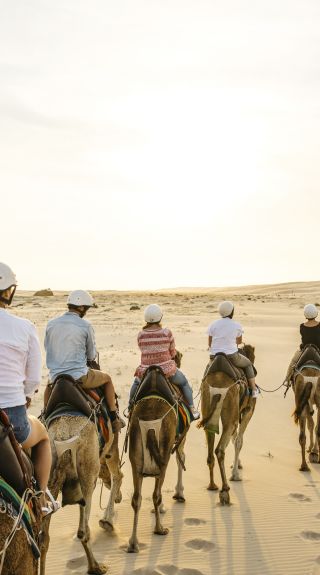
41,451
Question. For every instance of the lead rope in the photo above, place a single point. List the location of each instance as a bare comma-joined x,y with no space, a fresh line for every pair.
15,527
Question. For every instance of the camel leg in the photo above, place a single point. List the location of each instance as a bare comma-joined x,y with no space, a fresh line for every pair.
179,489
133,546
220,453
313,453
318,434
45,536
94,568
115,491
302,441
210,460
238,442
157,500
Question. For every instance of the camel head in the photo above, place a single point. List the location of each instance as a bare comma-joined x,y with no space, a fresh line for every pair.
248,351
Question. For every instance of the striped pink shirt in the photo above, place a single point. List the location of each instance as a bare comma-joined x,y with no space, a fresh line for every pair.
157,348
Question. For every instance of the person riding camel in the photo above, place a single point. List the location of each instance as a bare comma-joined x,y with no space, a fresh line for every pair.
20,377
157,347
224,336
70,345
310,334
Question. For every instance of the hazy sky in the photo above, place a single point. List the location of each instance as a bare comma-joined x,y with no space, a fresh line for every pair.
158,143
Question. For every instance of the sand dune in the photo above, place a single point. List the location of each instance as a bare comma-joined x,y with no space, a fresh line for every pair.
273,524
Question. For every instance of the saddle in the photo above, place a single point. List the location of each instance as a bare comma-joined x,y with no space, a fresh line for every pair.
221,362
309,354
66,391
154,382
15,466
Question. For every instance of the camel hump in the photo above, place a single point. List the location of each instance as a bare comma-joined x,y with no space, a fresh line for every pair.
309,354
154,382
67,392
220,363
15,466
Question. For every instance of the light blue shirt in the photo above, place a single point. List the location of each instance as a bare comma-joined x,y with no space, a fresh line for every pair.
69,343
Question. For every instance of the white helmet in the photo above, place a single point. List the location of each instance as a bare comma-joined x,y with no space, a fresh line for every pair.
7,277
310,311
153,313
80,297
225,308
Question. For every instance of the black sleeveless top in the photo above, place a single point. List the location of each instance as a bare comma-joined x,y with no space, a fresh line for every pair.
310,335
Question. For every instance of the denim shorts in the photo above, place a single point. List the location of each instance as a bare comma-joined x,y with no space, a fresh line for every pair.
19,421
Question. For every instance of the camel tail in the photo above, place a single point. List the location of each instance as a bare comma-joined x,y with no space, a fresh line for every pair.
153,447
302,402
215,400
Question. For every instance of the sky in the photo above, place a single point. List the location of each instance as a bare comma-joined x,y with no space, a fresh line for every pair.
150,144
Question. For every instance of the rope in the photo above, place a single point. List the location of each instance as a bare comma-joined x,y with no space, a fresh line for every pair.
273,390
15,527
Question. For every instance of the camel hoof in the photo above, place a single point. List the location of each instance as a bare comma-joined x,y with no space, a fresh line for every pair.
98,569
224,497
118,499
133,548
179,498
106,525
161,531
212,487
313,457
235,478
304,468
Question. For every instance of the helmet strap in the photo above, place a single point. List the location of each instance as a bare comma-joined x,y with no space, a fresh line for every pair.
6,300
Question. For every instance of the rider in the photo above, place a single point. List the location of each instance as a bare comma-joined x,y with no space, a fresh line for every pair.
157,347
225,335
310,334
70,345
20,377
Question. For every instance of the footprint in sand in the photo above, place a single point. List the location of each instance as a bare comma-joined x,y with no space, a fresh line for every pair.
299,497
173,570
77,562
194,521
187,571
310,535
168,569
142,571
200,545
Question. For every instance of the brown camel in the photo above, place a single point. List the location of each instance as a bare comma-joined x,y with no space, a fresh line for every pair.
307,393
75,470
152,435
223,398
16,471
19,558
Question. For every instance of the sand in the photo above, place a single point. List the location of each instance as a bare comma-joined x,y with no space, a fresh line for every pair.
273,523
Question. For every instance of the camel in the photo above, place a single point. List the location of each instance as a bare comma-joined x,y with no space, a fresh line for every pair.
75,469
19,558
152,435
307,393
223,398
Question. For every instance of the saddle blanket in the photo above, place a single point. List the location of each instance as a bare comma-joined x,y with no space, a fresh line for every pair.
8,496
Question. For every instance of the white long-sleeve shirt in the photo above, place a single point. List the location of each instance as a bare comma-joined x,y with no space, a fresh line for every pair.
20,360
